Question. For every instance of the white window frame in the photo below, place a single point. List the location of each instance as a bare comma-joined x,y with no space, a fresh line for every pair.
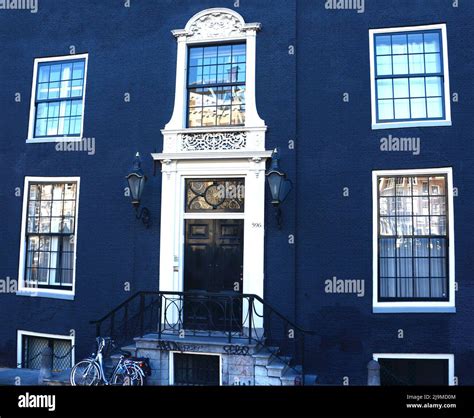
31,125
19,343
47,293
447,95
423,356
171,364
415,306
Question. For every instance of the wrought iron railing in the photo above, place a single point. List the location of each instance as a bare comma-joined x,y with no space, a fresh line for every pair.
232,317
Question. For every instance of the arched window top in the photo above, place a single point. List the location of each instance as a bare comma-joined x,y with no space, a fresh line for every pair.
214,25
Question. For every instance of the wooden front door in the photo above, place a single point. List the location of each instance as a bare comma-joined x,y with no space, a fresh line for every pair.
213,263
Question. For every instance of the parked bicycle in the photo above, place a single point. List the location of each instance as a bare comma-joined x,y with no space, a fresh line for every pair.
129,371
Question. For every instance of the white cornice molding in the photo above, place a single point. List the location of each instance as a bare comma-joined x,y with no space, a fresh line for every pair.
254,156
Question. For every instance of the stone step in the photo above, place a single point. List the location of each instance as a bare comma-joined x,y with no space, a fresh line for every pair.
277,368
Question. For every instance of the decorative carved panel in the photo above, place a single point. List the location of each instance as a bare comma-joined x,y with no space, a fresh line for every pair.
215,25
213,141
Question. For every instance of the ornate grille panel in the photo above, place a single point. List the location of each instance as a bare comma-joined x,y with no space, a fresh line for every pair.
215,141
34,346
215,195
196,370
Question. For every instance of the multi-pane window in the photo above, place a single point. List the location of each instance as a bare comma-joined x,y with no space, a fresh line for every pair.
413,238
216,85
215,195
50,235
33,347
409,76
59,98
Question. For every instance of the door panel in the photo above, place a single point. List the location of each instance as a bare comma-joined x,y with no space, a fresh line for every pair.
213,263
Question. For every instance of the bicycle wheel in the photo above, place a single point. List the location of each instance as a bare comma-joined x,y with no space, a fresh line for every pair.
130,376
85,373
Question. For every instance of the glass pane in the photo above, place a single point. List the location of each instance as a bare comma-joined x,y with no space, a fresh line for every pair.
238,115
404,206
438,287
53,92
46,191
34,192
66,71
433,63
56,225
402,109
57,208
53,110
438,247
433,86
387,267
40,127
405,267
76,88
69,208
43,74
78,71
208,116
400,64
384,89
45,225
387,186
194,117
400,86
421,225
417,87
420,206
435,107
45,208
33,208
388,287
222,195
418,108
387,226
52,127
417,64
384,65
210,55
438,267
403,186
420,186
387,206
195,56
224,54
415,43
404,249
238,53
33,225
76,108
438,205
193,76
385,109
223,115
399,44
422,267
422,288
55,73
438,225
42,93
404,226
387,247
438,185
383,45
432,43
422,247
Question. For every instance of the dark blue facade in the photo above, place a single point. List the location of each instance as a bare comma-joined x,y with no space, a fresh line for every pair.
300,97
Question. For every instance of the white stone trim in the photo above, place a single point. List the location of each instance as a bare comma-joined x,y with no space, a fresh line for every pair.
447,91
449,357
415,306
31,124
171,363
19,343
215,25
48,293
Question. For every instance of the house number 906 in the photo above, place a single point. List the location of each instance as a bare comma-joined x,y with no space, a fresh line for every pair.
256,224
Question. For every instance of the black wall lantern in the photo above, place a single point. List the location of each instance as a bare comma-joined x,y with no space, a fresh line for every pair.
280,186
136,183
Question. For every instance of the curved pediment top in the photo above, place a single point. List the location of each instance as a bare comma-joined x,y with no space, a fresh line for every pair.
216,23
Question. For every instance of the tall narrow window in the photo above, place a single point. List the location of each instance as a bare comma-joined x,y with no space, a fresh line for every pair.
216,85
49,241
409,76
58,99
413,237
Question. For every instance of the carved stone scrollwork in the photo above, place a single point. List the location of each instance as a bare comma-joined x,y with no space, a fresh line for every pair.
215,25
214,141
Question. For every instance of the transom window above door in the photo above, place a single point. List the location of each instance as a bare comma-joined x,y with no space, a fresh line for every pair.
215,195
216,85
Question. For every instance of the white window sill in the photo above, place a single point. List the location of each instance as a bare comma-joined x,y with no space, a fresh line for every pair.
414,309
408,124
46,294
53,139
